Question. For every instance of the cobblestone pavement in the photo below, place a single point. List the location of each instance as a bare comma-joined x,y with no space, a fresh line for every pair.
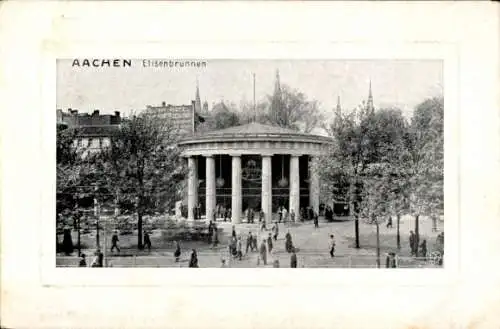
312,244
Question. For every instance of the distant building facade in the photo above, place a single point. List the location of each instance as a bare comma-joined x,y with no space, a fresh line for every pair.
182,116
92,131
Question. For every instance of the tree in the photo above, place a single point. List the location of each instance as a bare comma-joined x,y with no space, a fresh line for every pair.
424,144
225,116
363,139
141,166
290,108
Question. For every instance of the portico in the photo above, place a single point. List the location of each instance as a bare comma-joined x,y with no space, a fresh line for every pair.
252,166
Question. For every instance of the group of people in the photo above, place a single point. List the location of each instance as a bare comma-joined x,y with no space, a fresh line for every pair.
416,249
97,262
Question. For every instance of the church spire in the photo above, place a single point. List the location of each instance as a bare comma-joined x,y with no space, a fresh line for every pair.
276,102
197,104
369,105
338,109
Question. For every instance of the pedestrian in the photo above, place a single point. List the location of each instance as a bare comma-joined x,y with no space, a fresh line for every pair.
275,231
83,262
288,242
234,251
293,259
280,214
302,214
389,222
263,226
114,242
391,260
239,253
210,231
100,258
316,220
412,243
233,233
215,237
270,242
147,241
292,216
263,252
261,215
193,262
332,246
249,242
223,263
254,243
423,249
177,252
285,215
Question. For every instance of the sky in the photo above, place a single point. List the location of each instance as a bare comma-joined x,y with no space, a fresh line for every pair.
395,83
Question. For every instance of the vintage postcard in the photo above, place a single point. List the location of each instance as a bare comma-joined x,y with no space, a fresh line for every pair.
249,163
227,165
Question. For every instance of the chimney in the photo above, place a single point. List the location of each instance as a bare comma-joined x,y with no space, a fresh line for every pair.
163,104
117,114
96,112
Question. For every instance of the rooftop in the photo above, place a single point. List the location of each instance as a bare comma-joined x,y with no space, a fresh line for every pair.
252,131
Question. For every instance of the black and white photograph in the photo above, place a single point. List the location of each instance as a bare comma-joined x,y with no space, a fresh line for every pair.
249,163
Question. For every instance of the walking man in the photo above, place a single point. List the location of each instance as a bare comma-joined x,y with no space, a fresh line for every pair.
389,222
293,259
275,231
292,216
332,246
238,248
263,252
316,220
147,241
249,242
270,242
114,242
412,243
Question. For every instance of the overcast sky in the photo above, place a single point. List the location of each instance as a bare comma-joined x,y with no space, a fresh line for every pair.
403,83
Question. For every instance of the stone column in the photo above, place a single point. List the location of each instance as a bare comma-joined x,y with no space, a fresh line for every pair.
210,188
313,185
294,186
267,187
192,186
236,190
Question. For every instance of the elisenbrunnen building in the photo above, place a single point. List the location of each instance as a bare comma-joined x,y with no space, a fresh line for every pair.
252,166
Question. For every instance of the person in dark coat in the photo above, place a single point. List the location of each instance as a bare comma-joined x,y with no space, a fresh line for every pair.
100,258
280,214
210,231
270,242
423,249
389,222
83,262
239,247
261,215
288,242
177,252
275,231
316,220
412,243
215,237
293,259
233,233
249,242
332,246
147,241
263,252
114,242
67,242
193,262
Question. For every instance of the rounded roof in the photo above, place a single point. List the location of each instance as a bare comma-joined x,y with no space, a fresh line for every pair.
253,132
